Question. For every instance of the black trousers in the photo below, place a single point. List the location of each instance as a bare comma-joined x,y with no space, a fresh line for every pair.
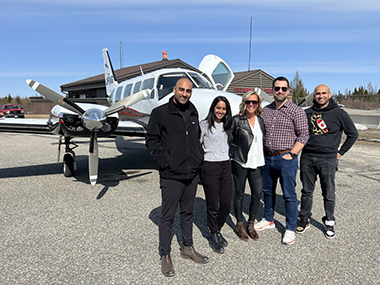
255,181
174,193
217,184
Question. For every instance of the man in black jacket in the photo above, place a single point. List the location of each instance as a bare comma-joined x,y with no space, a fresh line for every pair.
320,155
173,141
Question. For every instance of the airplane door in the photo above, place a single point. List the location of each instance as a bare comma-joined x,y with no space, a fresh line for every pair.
217,70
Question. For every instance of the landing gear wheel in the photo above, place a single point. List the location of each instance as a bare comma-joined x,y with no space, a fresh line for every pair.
68,165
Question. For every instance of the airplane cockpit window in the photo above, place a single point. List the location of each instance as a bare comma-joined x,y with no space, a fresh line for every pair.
127,90
201,81
166,82
136,87
118,93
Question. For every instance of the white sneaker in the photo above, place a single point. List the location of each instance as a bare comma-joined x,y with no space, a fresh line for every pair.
264,224
289,237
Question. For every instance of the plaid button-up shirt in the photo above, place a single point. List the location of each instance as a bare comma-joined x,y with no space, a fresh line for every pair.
284,126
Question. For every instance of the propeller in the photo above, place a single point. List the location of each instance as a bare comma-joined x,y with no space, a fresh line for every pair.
93,158
55,97
93,118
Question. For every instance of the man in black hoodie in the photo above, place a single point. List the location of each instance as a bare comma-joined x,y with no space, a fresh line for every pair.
173,141
320,155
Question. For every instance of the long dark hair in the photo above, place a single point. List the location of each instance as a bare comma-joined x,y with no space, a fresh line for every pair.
227,119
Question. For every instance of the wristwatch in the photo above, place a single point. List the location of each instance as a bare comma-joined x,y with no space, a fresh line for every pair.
293,155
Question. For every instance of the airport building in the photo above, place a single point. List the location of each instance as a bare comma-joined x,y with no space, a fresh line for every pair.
93,90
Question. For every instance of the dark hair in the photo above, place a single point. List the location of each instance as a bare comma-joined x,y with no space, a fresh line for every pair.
280,78
227,119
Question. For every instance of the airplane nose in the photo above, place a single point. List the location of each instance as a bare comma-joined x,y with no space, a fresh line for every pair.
92,119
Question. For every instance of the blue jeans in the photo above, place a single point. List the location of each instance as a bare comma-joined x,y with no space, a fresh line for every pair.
325,168
276,167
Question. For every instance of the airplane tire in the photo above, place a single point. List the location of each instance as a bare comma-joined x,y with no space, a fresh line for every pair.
68,165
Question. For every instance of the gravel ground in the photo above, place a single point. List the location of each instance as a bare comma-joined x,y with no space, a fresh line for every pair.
57,230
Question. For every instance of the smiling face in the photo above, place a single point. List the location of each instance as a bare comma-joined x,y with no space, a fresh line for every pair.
280,91
182,91
251,105
220,111
322,95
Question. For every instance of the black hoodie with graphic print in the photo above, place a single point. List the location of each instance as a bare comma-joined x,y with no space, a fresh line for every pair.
325,128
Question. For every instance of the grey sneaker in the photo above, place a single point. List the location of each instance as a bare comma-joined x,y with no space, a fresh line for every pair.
303,225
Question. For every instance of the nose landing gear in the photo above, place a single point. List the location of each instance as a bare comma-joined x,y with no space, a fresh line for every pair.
69,164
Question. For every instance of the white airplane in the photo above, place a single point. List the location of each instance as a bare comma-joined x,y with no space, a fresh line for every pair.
131,103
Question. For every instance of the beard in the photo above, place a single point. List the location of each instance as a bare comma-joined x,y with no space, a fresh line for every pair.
280,99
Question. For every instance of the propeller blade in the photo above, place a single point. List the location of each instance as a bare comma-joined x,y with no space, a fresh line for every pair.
126,102
55,97
93,159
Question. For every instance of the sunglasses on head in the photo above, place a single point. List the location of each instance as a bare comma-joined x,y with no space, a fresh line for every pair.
253,102
277,88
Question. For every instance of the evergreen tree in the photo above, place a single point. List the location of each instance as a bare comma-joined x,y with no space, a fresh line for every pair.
299,91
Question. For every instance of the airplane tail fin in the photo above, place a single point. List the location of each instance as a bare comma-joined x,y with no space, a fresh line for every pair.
109,73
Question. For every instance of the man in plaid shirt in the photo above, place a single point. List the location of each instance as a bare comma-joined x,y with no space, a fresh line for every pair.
287,133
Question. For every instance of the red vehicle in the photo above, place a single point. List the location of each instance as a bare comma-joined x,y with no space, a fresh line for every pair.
12,111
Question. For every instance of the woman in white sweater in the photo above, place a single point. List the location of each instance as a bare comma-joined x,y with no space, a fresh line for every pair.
216,169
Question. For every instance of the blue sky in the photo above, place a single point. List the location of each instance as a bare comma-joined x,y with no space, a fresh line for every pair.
60,41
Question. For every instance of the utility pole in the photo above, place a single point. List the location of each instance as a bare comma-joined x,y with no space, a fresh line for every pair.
250,41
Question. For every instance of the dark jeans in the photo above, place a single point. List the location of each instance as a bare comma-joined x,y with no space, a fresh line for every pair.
276,168
325,168
255,181
217,184
174,192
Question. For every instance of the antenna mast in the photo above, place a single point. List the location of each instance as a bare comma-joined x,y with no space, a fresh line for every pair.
250,41
121,55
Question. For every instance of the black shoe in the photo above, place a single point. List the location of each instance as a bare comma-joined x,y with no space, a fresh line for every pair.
329,232
303,225
215,243
222,240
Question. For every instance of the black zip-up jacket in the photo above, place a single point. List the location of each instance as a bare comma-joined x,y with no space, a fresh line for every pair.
325,128
173,140
242,137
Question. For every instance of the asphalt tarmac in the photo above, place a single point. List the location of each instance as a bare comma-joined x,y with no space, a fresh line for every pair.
57,230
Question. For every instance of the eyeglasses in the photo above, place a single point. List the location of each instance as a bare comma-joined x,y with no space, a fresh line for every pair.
277,88
253,102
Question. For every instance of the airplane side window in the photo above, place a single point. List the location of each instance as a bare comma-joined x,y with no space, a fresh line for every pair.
136,87
113,95
148,84
127,90
118,93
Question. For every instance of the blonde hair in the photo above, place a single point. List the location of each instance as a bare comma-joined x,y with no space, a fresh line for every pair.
245,98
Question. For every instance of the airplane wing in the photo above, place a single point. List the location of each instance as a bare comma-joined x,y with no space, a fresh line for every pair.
12,125
263,95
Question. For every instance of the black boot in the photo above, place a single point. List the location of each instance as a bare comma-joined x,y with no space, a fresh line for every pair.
222,240
215,243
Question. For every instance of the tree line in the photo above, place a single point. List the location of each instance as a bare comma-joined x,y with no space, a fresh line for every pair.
361,97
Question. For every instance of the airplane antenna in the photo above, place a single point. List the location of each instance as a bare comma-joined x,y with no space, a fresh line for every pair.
250,41
121,55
